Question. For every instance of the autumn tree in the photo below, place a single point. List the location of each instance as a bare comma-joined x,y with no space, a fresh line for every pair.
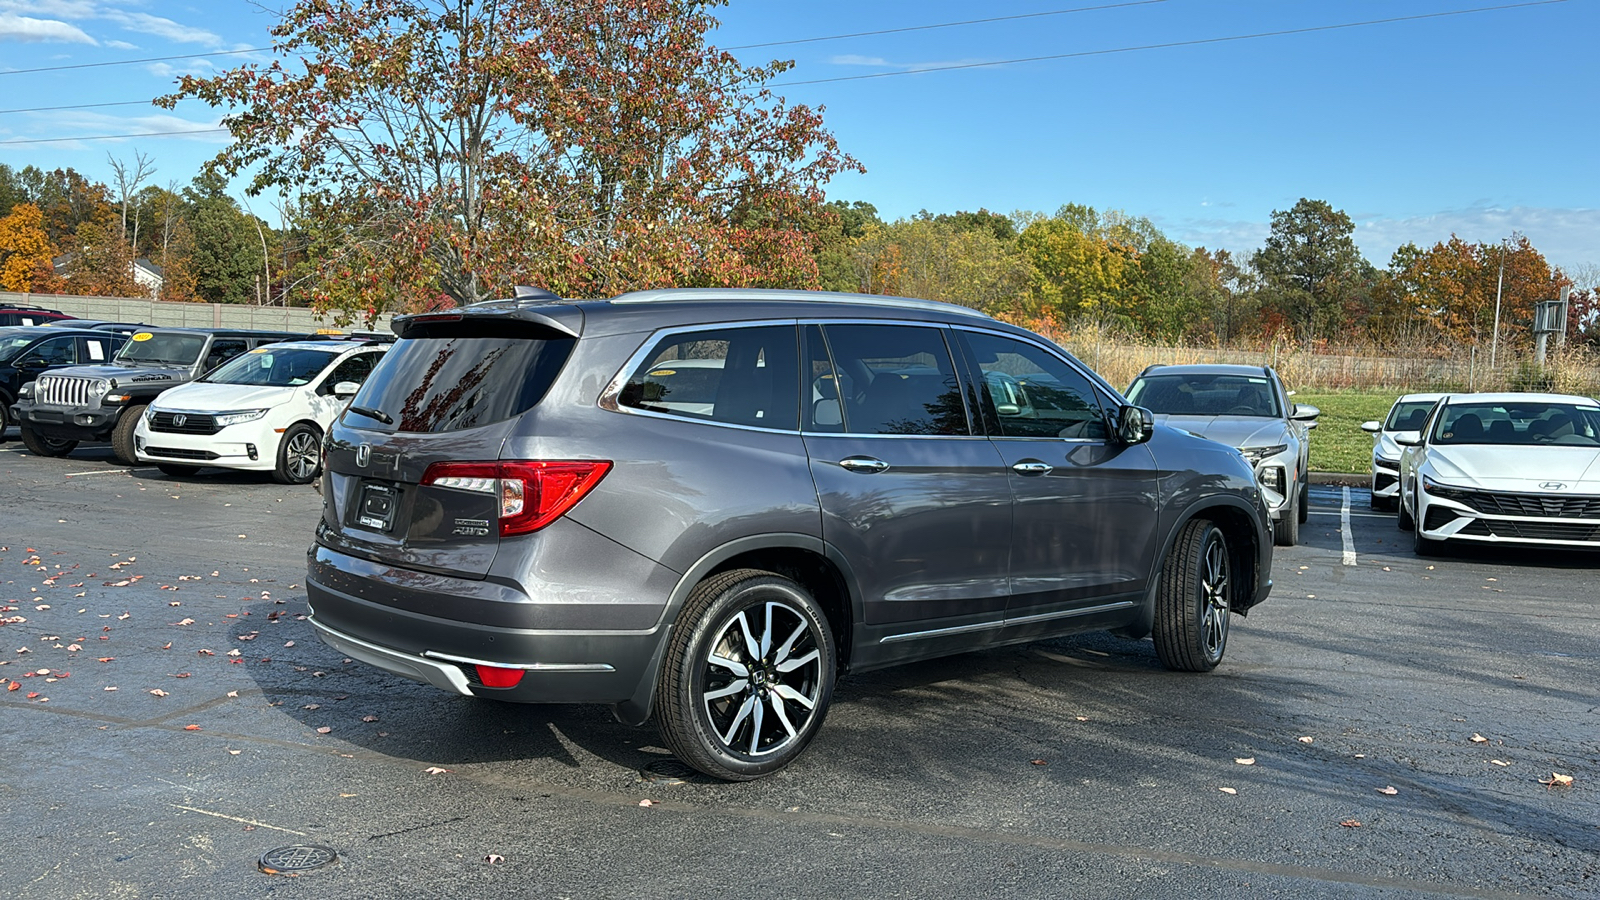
1310,267
1448,290
590,146
25,250
1077,270
935,260
101,262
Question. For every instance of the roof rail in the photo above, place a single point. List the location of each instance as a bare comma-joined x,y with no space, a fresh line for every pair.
793,296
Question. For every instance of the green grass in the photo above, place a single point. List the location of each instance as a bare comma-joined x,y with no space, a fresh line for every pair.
1338,444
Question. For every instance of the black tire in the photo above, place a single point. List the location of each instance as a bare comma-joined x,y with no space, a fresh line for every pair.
1402,516
1194,599
177,470
1425,546
5,416
1286,531
1304,509
122,435
299,455
39,445
750,730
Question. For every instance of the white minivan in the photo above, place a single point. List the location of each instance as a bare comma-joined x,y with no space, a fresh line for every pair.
265,410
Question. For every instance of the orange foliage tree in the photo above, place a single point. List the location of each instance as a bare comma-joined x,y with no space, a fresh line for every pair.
26,253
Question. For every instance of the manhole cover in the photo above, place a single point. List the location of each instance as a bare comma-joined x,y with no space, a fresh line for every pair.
296,860
666,771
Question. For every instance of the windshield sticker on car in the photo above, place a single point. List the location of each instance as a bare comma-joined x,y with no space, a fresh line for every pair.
663,373
142,336
259,350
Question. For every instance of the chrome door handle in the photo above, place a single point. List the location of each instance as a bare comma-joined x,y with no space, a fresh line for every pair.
865,465
1032,468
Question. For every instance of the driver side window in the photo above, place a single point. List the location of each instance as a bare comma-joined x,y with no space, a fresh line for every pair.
1035,394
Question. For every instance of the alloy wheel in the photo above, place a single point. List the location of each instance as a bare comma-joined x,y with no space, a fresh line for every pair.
762,679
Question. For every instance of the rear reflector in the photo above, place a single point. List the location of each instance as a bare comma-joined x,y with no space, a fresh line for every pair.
533,493
496,677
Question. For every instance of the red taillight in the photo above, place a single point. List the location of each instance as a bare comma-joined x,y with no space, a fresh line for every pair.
496,677
532,494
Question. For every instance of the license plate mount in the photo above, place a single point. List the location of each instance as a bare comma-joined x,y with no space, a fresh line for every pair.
377,507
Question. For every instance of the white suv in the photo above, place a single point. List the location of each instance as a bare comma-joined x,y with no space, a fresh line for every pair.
265,410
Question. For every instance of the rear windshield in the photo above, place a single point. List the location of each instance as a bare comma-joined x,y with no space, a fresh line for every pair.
455,379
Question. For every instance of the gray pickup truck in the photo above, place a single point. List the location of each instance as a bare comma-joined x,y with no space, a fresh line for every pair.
103,403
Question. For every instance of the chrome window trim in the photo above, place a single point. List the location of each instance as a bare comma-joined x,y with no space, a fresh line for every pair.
1002,623
1070,613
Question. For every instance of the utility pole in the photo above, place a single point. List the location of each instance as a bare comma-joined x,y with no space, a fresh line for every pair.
1494,344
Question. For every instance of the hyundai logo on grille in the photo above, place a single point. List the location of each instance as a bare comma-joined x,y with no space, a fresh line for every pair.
179,419
1553,485
363,455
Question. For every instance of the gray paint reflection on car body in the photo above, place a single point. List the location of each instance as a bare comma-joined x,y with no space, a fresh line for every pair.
923,553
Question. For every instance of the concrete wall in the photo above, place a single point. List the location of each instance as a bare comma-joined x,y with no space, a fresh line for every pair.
194,315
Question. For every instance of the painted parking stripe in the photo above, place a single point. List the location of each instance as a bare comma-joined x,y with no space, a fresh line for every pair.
99,472
1344,531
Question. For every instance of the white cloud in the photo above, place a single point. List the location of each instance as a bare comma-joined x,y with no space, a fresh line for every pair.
851,59
25,28
144,23
122,45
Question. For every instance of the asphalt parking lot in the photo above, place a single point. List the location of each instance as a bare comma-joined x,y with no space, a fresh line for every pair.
1383,726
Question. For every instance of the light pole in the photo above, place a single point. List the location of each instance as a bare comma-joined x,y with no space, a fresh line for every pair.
1494,343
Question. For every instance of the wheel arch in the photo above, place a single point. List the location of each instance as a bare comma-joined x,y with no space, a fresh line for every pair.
1245,546
805,559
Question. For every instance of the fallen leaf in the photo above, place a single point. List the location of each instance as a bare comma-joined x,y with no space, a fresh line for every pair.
1557,779
369,718
647,803
1391,790
234,752
1038,762
494,859
1306,740
108,689
1227,790
435,770
191,728
185,621
324,730
1499,762
289,644
1245,760
233,693
1478,738
105,659
158,692
312,706
1350,823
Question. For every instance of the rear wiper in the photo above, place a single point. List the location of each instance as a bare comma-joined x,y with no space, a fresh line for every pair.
371,413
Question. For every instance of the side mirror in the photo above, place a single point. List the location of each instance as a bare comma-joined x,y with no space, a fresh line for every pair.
1304,413
1135,424
344,390
1407,440
1372,427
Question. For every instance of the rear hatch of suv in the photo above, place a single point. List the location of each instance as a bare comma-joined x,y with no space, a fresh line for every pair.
414,475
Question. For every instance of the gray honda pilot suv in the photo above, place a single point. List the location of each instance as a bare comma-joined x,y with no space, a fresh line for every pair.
710,504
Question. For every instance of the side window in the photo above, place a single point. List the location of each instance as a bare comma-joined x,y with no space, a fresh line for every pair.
896,379
1035,393
828,391
355,368
222,350
61,351
735,376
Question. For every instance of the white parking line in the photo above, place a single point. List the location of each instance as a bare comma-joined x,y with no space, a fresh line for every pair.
100,472
1344,531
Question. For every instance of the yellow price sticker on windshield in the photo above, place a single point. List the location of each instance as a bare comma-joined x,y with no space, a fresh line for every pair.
662,373
259,350
143,336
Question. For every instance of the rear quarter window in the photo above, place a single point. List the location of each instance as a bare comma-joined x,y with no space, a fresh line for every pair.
455,377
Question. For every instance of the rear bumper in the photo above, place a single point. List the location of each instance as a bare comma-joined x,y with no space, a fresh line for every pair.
560,666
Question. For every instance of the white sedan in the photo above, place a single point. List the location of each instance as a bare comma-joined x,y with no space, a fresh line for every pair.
1403,422
265,410
1504,469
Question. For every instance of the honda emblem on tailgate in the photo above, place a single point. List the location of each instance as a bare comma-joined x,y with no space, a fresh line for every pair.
363,455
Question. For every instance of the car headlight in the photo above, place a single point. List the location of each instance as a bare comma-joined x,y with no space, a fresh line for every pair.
149,415
99,388
1257,454
239,417
1436,489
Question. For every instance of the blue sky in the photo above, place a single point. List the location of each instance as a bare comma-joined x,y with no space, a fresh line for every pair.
1479,124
